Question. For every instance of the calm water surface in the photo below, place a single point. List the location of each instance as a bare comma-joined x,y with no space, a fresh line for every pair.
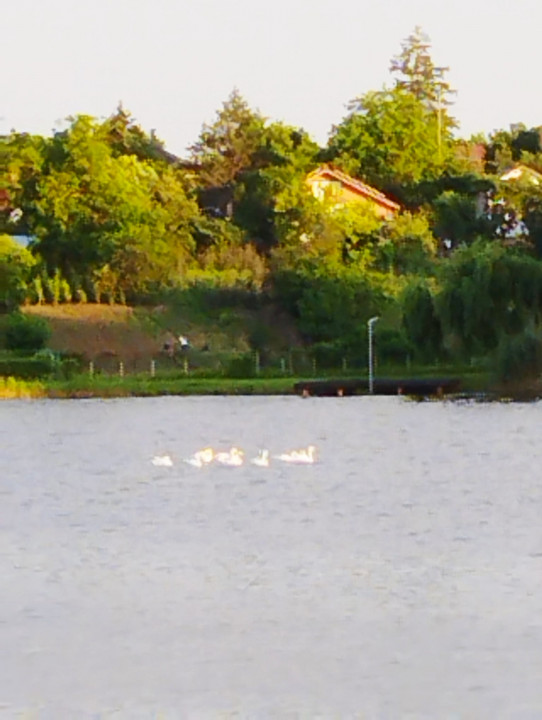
398,577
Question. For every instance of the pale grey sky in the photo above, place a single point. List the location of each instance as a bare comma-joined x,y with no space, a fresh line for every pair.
173,62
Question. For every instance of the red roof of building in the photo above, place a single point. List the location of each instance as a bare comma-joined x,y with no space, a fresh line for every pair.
356,186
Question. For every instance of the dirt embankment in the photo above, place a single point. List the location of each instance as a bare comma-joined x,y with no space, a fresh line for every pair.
105,334
108,334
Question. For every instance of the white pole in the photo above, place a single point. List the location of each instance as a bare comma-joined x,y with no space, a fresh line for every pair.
370,325
439,123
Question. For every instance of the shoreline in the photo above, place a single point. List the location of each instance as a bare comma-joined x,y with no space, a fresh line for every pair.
83,387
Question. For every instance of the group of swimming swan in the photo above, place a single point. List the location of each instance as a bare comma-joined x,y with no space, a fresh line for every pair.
234,457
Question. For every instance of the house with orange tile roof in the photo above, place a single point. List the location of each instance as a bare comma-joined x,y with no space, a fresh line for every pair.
339,189
524,173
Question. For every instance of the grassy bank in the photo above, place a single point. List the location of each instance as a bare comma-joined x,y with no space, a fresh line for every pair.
243,380
110,341
175,383
136,336
144,386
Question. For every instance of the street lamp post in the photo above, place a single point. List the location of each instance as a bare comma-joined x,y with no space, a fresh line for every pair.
370,325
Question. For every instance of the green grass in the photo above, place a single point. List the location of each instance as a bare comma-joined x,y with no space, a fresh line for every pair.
175,382
145,386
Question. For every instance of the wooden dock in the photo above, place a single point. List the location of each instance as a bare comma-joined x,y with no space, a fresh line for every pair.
421,387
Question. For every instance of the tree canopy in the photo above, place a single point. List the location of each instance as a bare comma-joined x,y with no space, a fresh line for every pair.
417,74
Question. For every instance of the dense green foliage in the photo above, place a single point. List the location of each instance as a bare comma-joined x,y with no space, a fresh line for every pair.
26,332
16,265
113,217
519,356
28,368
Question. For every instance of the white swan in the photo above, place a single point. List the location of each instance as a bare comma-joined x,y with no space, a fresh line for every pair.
202,457
262,459
301,457
162,461
233,457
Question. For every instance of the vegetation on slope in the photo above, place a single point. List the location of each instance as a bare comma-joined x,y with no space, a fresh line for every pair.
130,247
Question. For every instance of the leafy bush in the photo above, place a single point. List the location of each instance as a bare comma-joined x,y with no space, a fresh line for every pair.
488,291
28,368
26,332
69,367
420,321
241,366
229,267
406,245
335,304
259,337
16,264
519,357
391,346
328,355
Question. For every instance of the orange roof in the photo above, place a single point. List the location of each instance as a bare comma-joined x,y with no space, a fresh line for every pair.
524,172
356,186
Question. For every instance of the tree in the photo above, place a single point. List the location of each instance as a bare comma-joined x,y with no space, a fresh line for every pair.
402,135
519,206
99,210
225,147
390,137
505,147
487,291
27,332
532,216
126,137
456,218
407,245
335,302
23,155
278,164
524,140
420,320
418,75
16,264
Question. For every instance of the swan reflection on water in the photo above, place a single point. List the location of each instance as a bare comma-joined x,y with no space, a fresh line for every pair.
162,461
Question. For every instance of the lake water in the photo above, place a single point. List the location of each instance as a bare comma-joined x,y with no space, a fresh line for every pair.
400,576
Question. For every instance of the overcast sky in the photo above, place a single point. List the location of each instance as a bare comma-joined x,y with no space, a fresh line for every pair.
173,62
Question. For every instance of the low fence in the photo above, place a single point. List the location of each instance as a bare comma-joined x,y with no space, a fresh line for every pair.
293,363
296,362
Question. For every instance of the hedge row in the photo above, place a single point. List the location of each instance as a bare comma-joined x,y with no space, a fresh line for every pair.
34,368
